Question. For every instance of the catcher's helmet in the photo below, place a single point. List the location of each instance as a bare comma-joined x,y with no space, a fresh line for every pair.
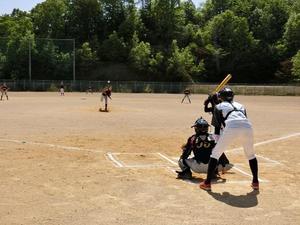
226,94
201,126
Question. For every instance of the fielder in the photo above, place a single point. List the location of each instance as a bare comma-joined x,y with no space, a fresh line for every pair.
232,116
106,93
62,89
3,90
186,93
201,144
89,90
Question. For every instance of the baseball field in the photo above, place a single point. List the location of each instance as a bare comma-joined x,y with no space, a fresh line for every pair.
62,162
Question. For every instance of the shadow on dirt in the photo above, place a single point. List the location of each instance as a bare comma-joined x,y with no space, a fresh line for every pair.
242,201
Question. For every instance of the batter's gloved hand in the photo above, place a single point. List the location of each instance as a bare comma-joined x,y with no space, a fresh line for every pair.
208,100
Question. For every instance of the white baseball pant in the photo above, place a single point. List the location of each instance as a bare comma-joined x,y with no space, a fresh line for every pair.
242,134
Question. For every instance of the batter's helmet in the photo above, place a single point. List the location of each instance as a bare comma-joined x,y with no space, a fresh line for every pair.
226,94
201,126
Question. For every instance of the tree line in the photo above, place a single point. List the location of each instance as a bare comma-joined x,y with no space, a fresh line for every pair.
258,41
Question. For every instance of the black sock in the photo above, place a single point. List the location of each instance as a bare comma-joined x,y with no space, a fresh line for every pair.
254,169
211,169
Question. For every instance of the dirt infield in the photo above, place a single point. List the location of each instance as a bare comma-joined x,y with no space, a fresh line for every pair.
65,163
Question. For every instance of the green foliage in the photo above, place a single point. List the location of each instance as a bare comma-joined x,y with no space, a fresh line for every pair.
296,66
86,55
56,63
164,20
84,20
140,56
228,40
271,18
228,32
20,36
181,65
113,16
132,24
292,33
53,88
49,18
156,66
114,48
162,40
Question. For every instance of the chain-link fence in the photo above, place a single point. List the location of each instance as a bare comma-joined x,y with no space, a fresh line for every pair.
149,87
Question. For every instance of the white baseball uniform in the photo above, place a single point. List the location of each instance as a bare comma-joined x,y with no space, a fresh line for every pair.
232,116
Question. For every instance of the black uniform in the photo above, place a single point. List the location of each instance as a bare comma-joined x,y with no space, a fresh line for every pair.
201,146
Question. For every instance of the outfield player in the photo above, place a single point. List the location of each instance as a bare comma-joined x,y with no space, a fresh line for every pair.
62,89
3,90
201,144
232,115
106,93
89,90
187,93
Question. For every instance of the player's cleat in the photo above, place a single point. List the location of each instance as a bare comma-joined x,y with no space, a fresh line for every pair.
184,175
103,110
255,186
204,186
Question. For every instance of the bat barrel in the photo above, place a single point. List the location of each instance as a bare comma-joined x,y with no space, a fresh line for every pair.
223,83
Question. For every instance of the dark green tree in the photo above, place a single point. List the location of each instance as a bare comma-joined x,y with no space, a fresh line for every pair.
49,19
114,49
85,21
228,40
296,66
292,33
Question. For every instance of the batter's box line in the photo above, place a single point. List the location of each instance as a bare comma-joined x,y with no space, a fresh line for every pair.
267,142
118,163
234,167
192,182
113,156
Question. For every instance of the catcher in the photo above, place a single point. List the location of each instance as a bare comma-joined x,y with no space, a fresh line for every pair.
106,93
3,90
201,144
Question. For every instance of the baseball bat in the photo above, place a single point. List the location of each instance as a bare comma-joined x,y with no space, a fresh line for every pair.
223,83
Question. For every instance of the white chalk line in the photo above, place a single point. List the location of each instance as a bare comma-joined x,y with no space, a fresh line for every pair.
267,141
231,150
70,148
234,167
167,159
117,163
217,182
247,174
